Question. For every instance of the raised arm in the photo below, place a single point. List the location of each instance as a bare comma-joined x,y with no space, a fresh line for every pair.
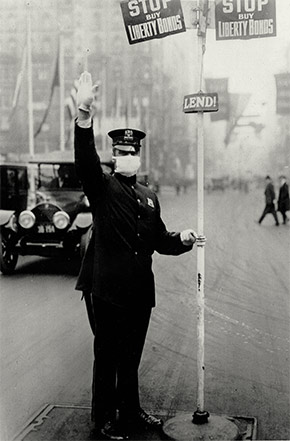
88,165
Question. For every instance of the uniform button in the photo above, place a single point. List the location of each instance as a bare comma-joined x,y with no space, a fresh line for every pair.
136,252
132,186
138,234
139,216
139,201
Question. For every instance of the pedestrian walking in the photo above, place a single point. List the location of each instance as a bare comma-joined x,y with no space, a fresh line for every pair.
283,199
116,273
177,174
270,199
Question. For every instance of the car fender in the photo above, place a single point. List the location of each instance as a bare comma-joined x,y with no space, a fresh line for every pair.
5,216
83,221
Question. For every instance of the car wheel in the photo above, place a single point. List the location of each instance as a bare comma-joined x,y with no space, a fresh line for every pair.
8,258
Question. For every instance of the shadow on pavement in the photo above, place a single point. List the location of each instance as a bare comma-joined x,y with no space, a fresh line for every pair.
70,423
42,265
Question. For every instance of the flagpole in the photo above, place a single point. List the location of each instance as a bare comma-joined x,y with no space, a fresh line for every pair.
103,124
61,93
29,85
147,159
86,54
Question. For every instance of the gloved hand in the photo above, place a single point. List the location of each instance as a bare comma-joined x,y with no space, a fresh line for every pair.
188,237
86,91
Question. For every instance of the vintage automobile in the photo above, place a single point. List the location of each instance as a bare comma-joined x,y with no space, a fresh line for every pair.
57,218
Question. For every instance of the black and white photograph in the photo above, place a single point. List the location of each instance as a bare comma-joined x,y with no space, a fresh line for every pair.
144,220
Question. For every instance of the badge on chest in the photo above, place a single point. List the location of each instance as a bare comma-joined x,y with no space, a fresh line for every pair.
150,202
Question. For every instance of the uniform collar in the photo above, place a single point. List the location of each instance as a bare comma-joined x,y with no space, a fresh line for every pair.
130,180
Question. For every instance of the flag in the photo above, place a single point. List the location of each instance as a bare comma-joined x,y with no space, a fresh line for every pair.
283,93
219,86
126,113
18,83
238,103
55,83
71,101
114,110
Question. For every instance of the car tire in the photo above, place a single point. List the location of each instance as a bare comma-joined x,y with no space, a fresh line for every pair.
8,259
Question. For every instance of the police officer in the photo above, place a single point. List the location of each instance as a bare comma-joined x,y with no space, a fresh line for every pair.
116,271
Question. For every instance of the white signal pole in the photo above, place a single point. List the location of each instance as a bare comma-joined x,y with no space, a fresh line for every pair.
199,426
200,412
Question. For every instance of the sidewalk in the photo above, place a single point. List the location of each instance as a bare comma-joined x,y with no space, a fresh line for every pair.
72,423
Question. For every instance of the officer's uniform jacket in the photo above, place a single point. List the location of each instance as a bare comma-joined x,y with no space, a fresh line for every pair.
127,229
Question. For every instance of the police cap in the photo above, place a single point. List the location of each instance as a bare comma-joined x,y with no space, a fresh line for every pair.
127,139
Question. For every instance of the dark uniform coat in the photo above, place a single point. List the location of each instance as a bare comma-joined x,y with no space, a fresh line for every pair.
127,229
283,199
269,194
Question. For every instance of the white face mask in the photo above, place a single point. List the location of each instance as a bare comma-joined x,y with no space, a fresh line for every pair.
127,165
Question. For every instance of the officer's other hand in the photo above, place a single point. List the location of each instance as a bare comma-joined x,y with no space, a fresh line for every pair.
86,91
188,237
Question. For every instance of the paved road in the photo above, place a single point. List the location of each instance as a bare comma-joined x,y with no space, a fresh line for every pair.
46,343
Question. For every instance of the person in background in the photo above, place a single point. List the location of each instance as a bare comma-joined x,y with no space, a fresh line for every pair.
116,273
270,199
283,199
63,179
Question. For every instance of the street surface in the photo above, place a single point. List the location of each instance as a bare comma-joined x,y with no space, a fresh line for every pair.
46,342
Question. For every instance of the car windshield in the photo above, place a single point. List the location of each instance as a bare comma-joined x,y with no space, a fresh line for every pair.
58,176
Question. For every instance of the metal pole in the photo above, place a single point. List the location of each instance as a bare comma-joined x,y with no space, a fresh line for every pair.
86,54
103,125
147,141
61,94
29,86
200,256
200,416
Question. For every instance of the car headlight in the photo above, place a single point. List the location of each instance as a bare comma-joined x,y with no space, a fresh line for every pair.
26,219
61,220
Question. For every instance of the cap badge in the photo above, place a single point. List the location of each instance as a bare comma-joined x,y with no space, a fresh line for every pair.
128,135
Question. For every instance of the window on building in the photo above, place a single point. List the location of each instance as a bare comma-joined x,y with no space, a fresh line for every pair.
66,23
46,22
11,22
117,44
67,46
4,122
97,19
45,46
12,45
43,75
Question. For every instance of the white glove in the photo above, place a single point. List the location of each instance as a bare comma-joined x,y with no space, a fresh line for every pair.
86,92
188,237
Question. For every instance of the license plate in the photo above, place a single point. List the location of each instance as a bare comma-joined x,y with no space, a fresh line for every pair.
46,229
